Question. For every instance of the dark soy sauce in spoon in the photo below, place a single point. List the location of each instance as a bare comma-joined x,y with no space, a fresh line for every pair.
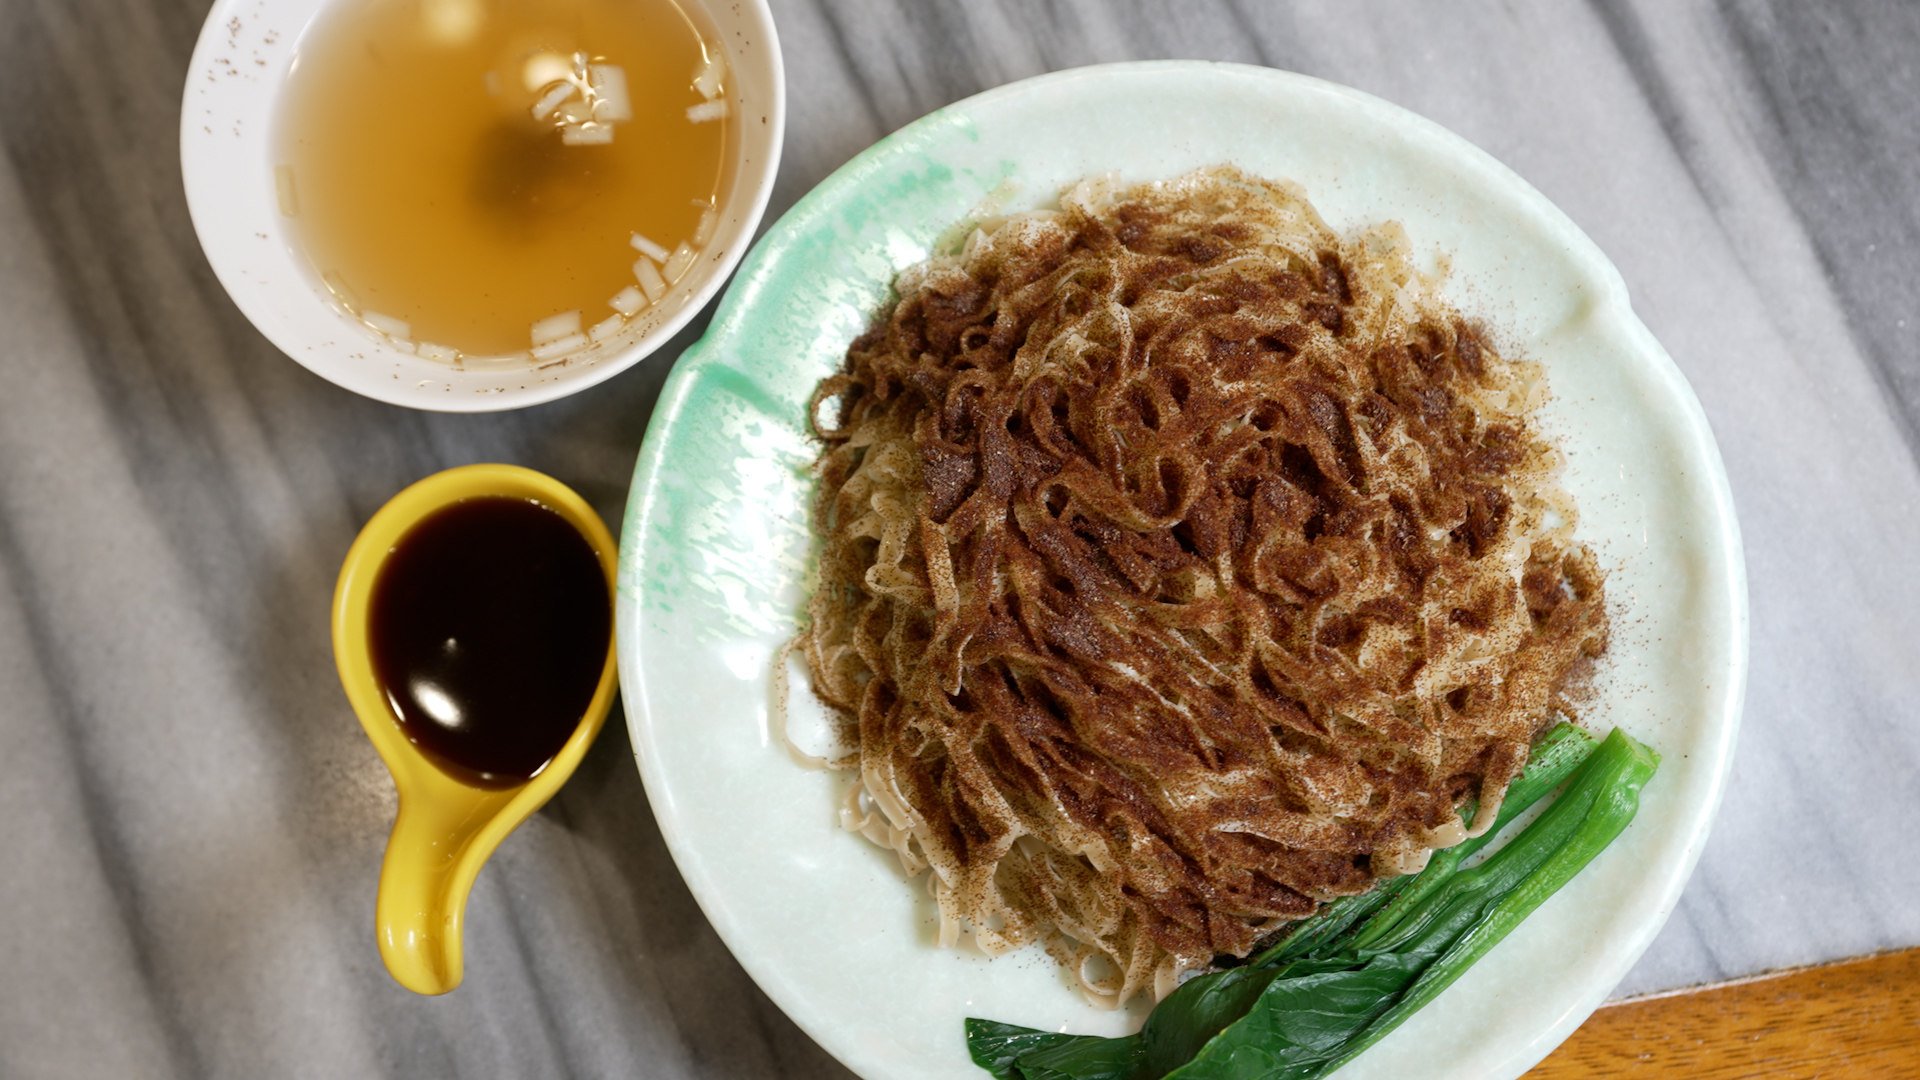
488,628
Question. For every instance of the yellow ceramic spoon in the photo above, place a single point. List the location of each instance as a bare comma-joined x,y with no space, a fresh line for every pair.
446,827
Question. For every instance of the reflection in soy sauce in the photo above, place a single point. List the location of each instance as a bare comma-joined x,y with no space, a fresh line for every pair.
489,627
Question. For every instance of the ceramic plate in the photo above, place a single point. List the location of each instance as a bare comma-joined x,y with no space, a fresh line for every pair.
714,560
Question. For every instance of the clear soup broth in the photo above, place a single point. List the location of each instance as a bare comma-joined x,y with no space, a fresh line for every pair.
503,181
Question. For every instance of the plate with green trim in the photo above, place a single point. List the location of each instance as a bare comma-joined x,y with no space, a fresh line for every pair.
715,553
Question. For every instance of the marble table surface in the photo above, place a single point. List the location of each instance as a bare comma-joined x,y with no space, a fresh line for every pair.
193,821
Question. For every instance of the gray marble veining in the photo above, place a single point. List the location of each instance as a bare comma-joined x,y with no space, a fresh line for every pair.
193,821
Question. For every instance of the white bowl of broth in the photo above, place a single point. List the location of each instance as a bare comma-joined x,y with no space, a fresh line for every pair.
469,205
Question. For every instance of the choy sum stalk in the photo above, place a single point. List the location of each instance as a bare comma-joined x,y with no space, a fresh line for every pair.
1361,966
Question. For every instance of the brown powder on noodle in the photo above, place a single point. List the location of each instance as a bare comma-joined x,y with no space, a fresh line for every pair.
1184,565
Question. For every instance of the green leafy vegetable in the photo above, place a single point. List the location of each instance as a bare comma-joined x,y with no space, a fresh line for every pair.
1362,965
1554,757
994,1045
1178,1027
1085,1059
1302,1020
1559,752
1616,774
1317,934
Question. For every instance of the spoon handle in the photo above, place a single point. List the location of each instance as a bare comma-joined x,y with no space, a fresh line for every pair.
430,865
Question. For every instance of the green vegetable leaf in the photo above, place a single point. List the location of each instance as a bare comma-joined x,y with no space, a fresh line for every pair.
1178,1027
1085,1058
1559,752
1195,1012
1318,934
1361,965
1300,1022
1615,775
994,1046
1457,902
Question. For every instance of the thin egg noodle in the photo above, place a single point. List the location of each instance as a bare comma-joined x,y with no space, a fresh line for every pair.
1183,565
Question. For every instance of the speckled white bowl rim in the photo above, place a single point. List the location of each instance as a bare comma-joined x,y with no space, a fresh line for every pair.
227,115
714,553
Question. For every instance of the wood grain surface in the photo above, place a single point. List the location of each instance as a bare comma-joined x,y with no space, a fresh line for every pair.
1857,1018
